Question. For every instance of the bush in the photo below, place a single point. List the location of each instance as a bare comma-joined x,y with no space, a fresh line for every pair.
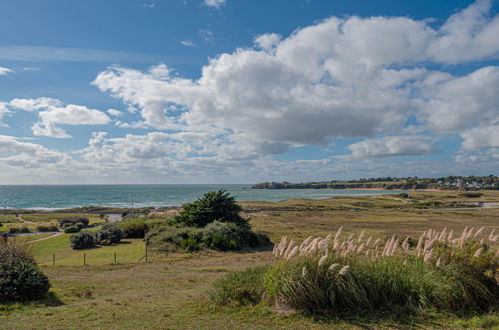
20,278
111,234
240,288
214,205
224,236
47,228
19,230
83,240
134,228
73,221
72,229
229,236
170,238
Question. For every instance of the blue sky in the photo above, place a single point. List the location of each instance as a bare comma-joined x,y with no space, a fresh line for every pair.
246,91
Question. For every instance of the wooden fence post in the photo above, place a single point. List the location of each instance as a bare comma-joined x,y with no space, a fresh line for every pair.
84,259
115,258
53,260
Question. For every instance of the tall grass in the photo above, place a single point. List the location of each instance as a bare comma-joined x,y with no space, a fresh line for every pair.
443,272
334,273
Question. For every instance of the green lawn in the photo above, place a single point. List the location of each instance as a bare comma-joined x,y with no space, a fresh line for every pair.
128,251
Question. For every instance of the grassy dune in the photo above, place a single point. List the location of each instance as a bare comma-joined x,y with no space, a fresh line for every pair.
171,290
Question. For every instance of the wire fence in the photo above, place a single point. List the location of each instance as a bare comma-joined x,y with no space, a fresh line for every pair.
89,259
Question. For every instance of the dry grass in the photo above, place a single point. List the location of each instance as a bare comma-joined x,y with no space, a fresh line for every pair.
170,292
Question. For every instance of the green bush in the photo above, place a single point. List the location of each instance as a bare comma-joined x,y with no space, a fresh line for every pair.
115,234
229,236
19,230
72,229
73,221
240,288
171,238
20,277
213,206
134,229
224,236
83,240
110,234
47,228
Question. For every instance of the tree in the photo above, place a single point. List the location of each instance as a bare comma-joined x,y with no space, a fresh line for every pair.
214,205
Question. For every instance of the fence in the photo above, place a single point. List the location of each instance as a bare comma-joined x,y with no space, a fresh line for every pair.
88,259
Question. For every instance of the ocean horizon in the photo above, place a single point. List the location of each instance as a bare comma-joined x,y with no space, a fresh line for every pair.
53,197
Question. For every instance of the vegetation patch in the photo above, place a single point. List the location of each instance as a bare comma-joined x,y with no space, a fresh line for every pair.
212,221
329,275
20,277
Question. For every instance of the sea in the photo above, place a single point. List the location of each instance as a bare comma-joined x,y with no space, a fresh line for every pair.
52,197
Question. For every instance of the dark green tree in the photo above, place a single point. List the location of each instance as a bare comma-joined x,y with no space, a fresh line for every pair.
214,205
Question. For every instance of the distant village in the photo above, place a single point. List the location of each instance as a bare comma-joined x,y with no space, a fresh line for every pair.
490,182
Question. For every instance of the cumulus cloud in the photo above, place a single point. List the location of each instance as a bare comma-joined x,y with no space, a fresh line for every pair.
5,71
267,41
214,3
53,112
456,103
393,146
342,77
17,153
382,80
481,137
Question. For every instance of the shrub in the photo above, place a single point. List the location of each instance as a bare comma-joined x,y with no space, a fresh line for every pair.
73,221
72,229
115,234
111,234
229,236
47,228
20,278
19,230
170,238
83,240
214,205
240,288
134,229
224,236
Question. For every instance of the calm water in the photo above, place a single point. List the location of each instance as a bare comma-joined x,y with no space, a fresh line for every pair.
56,197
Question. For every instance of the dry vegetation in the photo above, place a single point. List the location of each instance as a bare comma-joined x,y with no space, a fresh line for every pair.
171,291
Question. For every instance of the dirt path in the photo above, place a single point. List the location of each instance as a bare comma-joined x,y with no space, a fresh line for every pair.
44,238
26,221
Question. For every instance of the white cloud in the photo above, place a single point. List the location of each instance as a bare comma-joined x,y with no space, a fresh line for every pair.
53,112
20,154
481,137
458,103
5,71
393,146
214,3
188,43
35,104
114,112
3,112
342,77
267,41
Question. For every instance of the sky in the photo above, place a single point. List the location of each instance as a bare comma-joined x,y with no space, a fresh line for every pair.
246,91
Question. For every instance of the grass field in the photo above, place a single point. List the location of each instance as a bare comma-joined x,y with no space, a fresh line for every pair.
170,291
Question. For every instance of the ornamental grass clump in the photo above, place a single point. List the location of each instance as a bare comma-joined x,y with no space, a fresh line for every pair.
331,274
